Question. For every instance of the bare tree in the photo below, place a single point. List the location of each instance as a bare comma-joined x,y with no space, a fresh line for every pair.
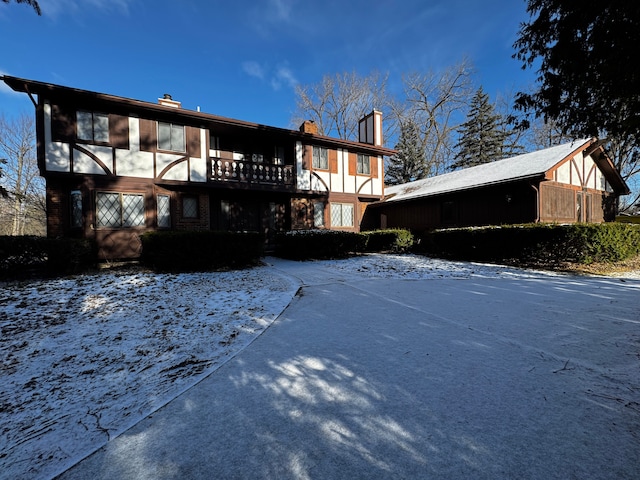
436,101
339,101
33,3
23,211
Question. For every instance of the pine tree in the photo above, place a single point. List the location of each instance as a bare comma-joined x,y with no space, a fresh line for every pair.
483,136
409,163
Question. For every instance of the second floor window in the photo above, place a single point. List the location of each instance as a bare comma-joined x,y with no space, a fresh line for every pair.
320,158
364,165
171,137
92,126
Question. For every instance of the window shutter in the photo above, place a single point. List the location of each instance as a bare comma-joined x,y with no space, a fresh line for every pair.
119,131
374,166
63,124
148,136
193,142
333,161
307,157
353,162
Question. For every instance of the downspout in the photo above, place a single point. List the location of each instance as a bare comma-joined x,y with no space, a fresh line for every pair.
537,220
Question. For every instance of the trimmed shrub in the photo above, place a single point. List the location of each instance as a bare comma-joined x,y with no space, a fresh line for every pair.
536,243
318,244
390,240
22,256
200,250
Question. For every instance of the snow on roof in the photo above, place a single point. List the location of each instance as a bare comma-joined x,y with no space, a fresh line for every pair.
522,166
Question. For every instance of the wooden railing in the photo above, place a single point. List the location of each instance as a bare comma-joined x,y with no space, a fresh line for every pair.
243,171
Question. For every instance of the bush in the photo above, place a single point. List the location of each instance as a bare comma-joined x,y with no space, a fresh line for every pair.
22,256
536,243
200,251
391,240
318,244
329,244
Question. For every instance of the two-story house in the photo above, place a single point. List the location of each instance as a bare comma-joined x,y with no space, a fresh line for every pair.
116,167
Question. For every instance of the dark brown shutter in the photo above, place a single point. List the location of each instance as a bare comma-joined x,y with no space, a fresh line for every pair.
193,142
307,157
119,131
63,124
148,135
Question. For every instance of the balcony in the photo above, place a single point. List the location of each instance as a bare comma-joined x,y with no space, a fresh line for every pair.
251,173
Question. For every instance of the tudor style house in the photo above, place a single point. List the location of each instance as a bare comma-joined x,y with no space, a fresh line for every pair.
116,167
573,182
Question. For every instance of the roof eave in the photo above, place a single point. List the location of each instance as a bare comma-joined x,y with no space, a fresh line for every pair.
41,88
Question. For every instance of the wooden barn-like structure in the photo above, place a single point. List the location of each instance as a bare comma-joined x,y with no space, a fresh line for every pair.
573,182
117,167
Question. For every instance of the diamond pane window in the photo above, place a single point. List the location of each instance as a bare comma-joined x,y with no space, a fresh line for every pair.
76,209
342,215
190,207
108,211
164,211
115,210
318,214
132,210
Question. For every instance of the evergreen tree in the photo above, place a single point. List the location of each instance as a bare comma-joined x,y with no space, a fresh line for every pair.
409,163
482,137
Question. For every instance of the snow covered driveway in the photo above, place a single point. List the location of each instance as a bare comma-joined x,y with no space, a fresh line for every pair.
383,367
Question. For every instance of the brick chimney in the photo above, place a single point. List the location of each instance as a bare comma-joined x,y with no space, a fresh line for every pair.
167,101
370,129
309,126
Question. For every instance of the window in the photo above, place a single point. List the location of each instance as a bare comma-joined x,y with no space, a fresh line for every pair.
76,209
189,207
171,137
364,165
278,156
320,158
318,214
117,210
92,126
342,214
164,211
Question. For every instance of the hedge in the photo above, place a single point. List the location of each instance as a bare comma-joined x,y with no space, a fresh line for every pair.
536,243
332,244
21,256
200,251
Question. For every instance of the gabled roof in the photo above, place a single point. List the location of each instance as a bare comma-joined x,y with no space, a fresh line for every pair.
527,166
127,105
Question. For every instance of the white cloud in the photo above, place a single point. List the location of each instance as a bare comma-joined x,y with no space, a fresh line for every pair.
253,69
280,10
284,76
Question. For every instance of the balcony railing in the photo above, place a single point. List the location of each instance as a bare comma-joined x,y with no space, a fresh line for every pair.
243,171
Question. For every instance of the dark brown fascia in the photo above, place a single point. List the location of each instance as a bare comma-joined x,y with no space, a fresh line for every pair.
130,106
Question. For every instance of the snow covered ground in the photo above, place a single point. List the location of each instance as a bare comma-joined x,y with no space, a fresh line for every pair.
85,358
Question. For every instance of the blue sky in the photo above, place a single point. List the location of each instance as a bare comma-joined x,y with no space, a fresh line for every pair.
242,58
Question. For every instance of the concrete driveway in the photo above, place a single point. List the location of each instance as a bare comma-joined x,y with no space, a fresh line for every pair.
496,378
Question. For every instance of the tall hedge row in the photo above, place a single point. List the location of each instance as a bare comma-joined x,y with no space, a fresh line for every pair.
536,243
